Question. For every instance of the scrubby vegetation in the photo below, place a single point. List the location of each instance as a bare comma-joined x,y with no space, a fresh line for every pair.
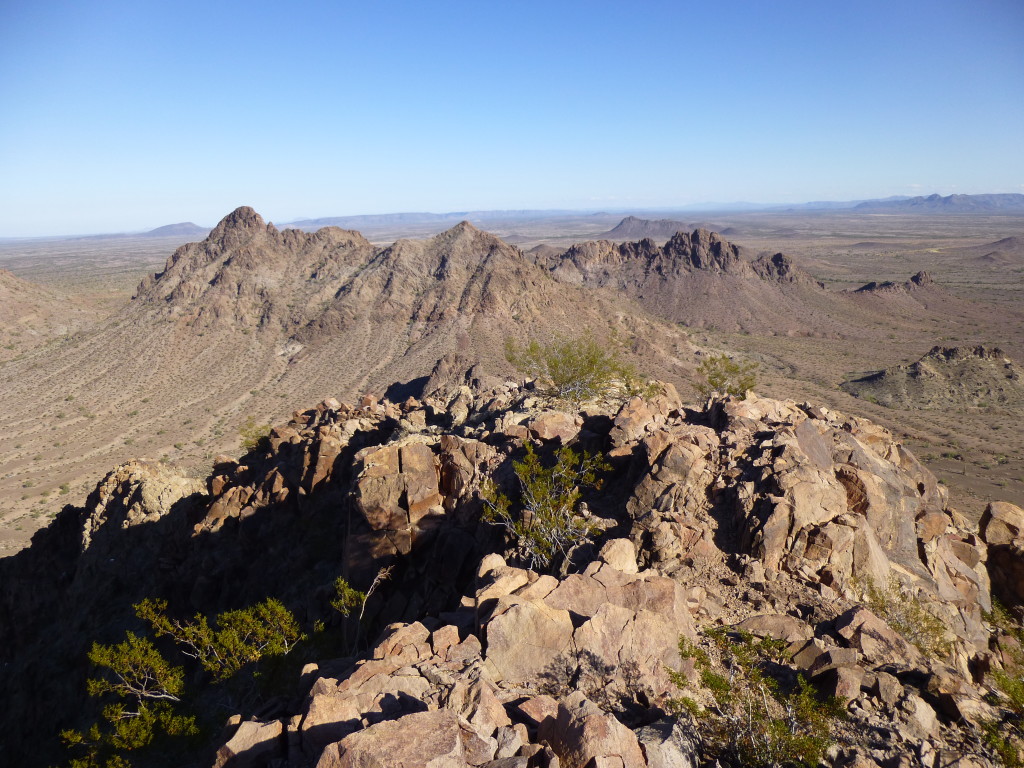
253,435
576,369
721,374
754,717
905,613
547,524
146,703
1005,736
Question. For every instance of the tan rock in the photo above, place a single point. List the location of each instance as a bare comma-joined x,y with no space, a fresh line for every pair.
253,744
526,640
554,425
419,740
582,733
619,554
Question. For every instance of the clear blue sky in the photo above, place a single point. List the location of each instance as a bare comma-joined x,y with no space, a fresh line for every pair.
122,116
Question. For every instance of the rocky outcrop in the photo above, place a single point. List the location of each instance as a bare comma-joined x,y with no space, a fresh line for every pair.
1002,528
946,377
760,517
916,282
701,279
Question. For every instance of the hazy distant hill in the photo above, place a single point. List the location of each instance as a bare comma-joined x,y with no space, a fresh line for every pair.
1002,203
633,228
184,229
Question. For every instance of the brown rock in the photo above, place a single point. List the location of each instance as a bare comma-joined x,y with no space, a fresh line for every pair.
537,709
419,740
779,626
253,744
582,733
554,425
526,640
879,643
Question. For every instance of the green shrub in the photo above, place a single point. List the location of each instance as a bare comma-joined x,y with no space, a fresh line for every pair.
546,525
254,435
239,637
346,599
145,689
752,722
905,613
576,369
721,374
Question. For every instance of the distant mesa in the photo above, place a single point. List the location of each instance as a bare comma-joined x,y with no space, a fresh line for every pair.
998,203
184,229
633,228
946,377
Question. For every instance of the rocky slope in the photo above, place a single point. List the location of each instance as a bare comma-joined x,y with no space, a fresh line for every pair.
767,516
946,377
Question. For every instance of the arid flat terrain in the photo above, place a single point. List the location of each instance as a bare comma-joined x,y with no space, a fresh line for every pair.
173,375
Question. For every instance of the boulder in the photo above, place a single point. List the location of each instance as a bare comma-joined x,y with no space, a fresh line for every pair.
420,740
1002,528
253,744
582,733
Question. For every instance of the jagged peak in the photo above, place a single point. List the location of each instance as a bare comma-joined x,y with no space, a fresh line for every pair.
242,219
703,249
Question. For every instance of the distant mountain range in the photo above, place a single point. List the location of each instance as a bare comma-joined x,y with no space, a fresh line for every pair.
1006,203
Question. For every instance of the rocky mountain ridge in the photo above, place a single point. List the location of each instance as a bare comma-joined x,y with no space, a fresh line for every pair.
755,514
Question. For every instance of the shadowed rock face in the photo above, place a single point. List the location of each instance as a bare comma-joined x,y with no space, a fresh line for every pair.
947,376
759,513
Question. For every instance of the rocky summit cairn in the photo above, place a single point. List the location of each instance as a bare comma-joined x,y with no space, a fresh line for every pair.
722,537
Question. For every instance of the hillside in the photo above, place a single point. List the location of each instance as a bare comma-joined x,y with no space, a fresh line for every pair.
704,281
31,315
761,517
946,377
184,229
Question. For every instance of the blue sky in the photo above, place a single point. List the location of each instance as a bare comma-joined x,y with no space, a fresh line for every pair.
120,116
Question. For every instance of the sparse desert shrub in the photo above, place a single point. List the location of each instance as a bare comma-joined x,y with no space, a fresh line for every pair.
1005,736
722,374
238,637
145,690
254,435
752,721
576,369
547,525
905,613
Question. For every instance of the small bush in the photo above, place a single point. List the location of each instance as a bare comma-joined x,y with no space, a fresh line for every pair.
576,369
721,374
238,637
253,435
906,614
145,688
547,525
752,721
